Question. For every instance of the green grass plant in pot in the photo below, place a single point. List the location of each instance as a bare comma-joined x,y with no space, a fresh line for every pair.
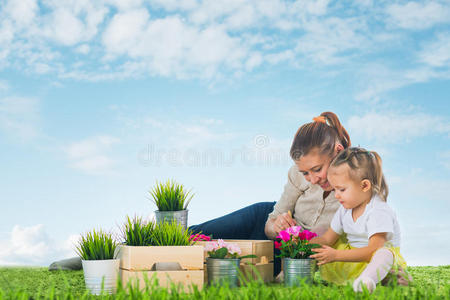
295,250
137,232
96,250
172,200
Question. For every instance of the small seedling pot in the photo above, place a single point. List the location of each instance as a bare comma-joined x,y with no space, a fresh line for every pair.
223,271
298,270
101,275
180,216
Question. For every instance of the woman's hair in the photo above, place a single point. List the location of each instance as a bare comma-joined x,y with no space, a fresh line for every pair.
364,164
323,134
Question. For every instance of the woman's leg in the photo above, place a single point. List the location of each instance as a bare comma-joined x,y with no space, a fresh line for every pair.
247,223
378,267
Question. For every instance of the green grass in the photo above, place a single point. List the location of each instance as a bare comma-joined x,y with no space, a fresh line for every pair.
170,196
34,283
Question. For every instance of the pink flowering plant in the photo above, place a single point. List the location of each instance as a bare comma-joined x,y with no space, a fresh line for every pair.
221,249
294,243
199,237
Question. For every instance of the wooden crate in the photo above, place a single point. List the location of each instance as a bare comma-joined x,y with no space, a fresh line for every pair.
187,278
136,263
263,249
140,258
255,272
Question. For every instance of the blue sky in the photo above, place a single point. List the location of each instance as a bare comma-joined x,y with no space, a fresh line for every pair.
99,99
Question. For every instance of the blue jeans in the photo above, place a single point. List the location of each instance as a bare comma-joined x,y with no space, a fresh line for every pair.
247,223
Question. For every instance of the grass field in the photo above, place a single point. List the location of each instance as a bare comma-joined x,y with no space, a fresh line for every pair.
39,283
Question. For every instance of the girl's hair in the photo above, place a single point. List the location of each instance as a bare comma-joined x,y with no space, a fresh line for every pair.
364,164
322,134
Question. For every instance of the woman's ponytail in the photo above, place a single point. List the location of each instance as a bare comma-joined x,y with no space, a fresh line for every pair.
322,134
334,122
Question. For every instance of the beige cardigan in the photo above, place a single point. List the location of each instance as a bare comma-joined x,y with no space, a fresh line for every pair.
305,201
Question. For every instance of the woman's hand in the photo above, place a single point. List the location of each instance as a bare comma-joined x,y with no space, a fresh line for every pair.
282,222
324,255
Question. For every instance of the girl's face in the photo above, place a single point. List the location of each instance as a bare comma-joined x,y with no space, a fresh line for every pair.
314,167
349,192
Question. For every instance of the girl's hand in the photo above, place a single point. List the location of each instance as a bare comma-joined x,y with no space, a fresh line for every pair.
324,255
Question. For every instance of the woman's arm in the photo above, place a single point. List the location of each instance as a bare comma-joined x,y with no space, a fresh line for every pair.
328,238
327,254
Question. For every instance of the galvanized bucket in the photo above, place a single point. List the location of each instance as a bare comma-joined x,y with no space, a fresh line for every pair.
180,216
298,270
223,271
101,275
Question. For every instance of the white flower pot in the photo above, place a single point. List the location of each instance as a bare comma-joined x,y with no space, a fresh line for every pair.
101,274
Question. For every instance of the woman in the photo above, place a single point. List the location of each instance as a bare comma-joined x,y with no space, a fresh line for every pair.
307,199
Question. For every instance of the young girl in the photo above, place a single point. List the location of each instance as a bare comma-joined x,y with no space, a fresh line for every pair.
370,225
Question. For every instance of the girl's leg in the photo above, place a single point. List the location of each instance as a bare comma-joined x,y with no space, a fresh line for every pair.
378,267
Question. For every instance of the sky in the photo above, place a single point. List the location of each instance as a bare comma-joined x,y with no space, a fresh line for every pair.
100,99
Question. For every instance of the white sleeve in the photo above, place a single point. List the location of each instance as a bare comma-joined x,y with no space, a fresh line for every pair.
336,222
380,220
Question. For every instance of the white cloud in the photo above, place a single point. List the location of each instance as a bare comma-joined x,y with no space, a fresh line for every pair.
182,50
23,12
437,53
415,15
19,117
33,246
4,86
329,41
83,49
90,155
445,159
391,127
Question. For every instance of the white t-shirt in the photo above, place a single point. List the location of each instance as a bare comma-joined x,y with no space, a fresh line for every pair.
377,217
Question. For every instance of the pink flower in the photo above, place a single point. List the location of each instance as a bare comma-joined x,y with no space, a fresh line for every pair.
277,245
307,235
294,230
284,235
310,235
211,246
234,249
205,237
221,243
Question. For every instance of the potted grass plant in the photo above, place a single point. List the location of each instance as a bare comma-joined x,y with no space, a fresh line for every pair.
164,250
172,200
97,252
295,250
223,262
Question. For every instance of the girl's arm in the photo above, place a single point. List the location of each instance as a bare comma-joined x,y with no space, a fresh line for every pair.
328,238
327,254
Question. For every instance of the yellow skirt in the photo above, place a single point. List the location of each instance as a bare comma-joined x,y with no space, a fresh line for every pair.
346,272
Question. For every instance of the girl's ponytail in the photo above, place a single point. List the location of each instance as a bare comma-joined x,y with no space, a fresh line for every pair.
380,186
322,134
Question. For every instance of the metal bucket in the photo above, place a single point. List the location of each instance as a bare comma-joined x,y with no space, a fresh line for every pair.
223,271
180,216
101,275
298,270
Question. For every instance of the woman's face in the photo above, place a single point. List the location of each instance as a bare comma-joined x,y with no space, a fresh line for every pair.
314,167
